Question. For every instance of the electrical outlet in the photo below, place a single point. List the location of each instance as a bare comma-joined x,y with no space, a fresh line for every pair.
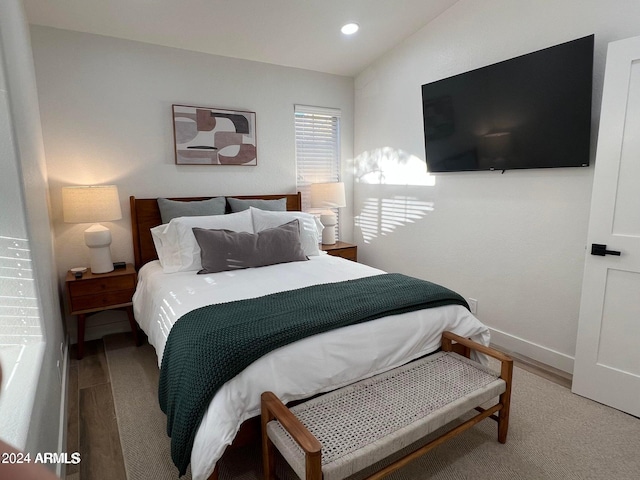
473,305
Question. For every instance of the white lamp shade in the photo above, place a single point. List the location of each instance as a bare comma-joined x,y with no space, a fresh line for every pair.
90,204
328,195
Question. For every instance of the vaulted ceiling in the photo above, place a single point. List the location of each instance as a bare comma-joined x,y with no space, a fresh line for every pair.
296,33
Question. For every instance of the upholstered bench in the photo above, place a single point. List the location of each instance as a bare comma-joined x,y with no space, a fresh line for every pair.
342,432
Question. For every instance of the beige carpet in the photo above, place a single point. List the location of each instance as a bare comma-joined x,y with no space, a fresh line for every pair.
553,434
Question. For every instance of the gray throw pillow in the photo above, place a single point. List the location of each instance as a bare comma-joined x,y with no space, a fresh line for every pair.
223,250
173,208
239,204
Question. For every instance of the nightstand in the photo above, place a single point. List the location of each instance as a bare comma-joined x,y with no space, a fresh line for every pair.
342,249
94,293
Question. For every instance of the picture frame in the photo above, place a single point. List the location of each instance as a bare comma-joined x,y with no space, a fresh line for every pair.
214,136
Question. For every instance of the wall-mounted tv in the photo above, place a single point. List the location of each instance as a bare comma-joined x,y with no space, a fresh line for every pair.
532,111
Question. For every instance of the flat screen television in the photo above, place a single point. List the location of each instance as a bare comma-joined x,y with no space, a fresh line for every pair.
532,111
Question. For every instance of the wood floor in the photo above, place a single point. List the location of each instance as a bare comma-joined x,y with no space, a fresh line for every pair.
92,429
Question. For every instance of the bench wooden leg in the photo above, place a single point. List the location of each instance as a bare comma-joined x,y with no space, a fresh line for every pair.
506,373
313,466
268,450
272,408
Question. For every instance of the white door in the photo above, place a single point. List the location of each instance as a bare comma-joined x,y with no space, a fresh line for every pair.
607,363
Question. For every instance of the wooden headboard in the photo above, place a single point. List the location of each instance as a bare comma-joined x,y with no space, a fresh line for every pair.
145,215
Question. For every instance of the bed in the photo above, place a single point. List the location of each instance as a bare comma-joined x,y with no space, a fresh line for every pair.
296,371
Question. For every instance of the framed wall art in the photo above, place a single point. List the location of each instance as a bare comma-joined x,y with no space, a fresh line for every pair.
214,136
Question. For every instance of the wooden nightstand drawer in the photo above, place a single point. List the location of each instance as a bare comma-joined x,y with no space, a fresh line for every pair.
102,285
91,293
343,250
100,301
347,253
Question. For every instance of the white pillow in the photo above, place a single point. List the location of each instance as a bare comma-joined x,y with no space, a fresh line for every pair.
178,250
310,226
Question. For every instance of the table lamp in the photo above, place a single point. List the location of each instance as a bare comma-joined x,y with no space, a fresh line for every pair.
327,196
93,204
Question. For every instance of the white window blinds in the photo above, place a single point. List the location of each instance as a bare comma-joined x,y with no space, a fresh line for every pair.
317,148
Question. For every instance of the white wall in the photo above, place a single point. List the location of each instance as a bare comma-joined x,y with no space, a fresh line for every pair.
106,116
514,241
25,216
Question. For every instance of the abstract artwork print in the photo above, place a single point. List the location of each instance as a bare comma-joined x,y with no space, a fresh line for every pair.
214,136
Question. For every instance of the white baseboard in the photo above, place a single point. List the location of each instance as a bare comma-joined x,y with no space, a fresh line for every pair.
62,428
545,355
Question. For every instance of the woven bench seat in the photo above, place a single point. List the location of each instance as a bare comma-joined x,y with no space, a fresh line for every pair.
358,425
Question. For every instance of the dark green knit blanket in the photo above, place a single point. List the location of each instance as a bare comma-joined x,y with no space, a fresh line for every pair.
210,345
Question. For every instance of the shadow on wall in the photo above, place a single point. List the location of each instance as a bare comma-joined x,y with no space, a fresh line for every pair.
19,313
21,338
383,202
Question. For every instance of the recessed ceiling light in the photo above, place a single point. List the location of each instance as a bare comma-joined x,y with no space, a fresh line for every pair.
350,28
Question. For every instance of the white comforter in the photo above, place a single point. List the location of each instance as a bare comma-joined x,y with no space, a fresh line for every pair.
299,370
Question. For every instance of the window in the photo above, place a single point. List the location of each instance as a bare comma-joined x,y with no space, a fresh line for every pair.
317,132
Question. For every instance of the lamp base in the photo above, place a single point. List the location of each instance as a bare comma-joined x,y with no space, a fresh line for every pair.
329,220
98,238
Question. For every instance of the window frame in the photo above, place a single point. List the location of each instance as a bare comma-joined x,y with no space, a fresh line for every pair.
317,150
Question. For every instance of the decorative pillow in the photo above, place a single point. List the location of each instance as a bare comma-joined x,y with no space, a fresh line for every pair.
310,226
239,204
223,250
176,245
170,209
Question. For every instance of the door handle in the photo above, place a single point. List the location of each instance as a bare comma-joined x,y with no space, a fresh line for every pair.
601,250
